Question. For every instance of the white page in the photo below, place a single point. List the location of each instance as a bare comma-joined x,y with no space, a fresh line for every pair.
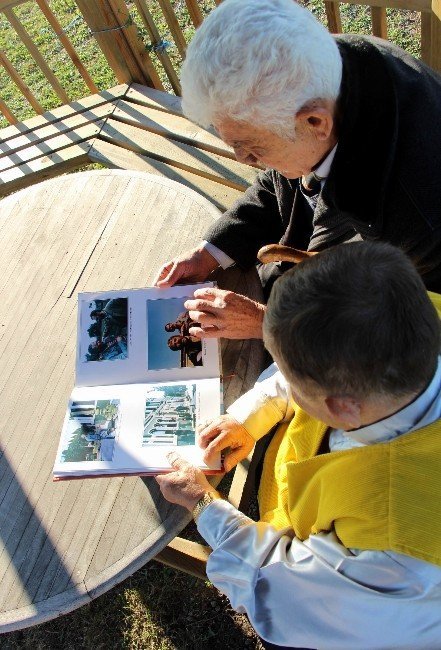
131,345
130,429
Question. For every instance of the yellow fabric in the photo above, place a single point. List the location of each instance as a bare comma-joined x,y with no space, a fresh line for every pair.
380,497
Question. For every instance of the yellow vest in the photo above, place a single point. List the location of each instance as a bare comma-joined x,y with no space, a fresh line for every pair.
380,497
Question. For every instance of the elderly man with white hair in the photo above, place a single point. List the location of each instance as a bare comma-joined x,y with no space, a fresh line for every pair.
347,129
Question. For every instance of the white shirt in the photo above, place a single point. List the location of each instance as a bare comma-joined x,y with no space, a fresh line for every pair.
224,260
317,593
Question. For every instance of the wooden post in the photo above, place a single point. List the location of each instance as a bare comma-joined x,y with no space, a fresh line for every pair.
435,58
117,36
333,17
379,23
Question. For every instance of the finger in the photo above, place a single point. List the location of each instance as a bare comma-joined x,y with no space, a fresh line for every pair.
220,442
233,457
206,292
209,333
202,318
207,434
174,274
176,461
200,305
163,273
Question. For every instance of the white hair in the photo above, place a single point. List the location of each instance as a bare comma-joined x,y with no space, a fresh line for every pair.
260,62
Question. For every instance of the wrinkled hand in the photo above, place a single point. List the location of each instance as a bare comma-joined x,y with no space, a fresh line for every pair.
193,266
225,433
225,314
184,486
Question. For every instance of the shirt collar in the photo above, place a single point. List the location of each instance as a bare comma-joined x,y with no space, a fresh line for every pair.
323,169
422,411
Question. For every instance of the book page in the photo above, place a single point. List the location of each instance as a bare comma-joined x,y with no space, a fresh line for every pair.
119,430
140,335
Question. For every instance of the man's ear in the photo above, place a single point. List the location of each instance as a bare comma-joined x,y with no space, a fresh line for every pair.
318,120
346,410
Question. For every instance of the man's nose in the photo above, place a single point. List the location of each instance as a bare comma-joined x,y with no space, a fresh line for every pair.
244,157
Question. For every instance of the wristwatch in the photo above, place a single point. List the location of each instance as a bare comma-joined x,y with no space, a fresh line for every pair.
203,502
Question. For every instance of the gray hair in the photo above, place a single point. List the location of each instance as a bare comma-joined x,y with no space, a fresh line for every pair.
260,62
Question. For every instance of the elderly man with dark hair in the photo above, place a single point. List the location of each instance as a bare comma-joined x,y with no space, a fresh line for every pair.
348,129
347,552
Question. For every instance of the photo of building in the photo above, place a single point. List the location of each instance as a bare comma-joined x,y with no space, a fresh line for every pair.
170,418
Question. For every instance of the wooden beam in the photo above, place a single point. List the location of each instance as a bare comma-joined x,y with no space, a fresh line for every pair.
179,154
435,56
117,157
24,89
9,115
413,5
110,33
170,126
64,40
174,26
189,557
61,112
162,55
36,55
22,158
333,17
195,12
13,149
44,167
379,22
154,98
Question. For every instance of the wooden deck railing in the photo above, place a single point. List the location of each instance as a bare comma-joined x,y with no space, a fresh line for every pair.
136,50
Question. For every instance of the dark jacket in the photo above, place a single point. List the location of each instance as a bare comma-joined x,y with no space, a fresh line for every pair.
385,179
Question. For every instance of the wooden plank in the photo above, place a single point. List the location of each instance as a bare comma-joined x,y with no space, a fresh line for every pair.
435,57
333,17
426,38
19,158
155,99
12,72
44,167
170,126
116,157
174,26
109,34
61,112
36,55
64,40
195,12
9,151
189,557
413,5
155,36
7,4
135,44
379,22
9,115
179,154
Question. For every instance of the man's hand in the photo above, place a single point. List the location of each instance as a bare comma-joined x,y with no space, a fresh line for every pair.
225,314
193,266
225,433
186,485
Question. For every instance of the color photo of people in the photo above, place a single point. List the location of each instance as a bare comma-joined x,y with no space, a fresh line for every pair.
170,416
104,335
91,431
169,342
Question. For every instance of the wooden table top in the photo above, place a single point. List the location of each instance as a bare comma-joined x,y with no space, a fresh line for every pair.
63,544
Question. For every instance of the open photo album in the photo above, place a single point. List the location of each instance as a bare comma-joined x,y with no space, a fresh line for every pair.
143,385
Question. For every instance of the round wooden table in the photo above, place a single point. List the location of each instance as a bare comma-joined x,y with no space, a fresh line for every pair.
63,544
